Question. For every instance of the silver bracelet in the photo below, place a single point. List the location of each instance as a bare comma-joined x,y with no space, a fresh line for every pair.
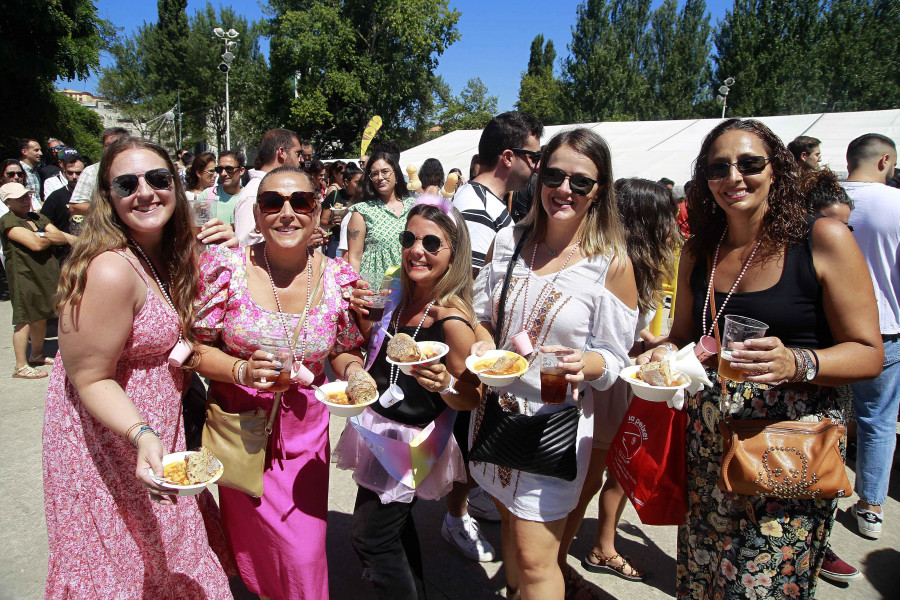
241,372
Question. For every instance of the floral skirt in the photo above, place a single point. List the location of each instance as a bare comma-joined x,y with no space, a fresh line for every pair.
734,546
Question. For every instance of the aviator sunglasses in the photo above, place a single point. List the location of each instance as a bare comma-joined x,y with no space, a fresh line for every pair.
271,202
430,242
579,184
750,165
229,170
125,185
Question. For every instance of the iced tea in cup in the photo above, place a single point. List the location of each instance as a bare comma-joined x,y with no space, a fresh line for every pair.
553,379
737,330
380,286
281,350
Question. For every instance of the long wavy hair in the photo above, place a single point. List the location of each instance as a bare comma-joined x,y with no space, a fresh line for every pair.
454,288
602,229
821,189
104,231
647,210
784,220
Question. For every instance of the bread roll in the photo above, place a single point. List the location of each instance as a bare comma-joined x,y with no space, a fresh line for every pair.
402,348
361,388
658,373
202,466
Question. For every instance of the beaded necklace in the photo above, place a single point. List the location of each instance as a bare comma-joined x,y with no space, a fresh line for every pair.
284,326
712,276
395,390
163,287
527,321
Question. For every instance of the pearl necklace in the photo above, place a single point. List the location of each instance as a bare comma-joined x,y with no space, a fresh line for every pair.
395,371
712,275
291,342
527,322
163,288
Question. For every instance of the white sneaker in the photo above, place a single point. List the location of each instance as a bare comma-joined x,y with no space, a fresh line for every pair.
468,539
869,522
482,507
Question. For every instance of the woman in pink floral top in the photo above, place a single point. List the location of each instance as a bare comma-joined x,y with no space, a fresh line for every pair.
260,292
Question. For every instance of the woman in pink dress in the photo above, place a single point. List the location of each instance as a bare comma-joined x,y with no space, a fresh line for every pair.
249,294
114,403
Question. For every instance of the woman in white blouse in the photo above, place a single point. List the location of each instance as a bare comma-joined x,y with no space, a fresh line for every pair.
573,291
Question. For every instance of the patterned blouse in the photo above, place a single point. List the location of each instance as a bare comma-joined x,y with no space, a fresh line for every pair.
383,228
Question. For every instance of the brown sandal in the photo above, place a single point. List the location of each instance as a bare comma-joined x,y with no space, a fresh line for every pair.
603,566
577,588
27,372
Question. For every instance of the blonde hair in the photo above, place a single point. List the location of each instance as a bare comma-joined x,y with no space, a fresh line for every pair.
454,288
602,230
104,231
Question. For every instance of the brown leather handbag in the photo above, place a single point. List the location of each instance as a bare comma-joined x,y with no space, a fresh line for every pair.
783,459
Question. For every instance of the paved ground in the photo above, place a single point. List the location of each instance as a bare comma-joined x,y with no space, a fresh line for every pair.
23,538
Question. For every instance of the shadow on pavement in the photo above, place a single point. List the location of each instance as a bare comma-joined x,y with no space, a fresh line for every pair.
880,569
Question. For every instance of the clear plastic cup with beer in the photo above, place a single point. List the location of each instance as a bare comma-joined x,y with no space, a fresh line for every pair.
379,285
554,386
280,348
737,331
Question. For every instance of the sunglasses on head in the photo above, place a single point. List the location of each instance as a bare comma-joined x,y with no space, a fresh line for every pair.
750,165
430,242
228,170
579,184
271,202
125,185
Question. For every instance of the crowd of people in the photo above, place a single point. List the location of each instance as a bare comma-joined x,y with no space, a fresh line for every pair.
540,250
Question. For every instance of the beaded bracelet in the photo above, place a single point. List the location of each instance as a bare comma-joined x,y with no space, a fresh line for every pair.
132,428
141,432
234,375
800,363
347,366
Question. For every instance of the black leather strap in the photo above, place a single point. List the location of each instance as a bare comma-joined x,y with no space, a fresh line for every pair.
501,307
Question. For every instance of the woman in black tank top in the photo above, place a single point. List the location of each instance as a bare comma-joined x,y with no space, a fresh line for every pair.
435,305
808,281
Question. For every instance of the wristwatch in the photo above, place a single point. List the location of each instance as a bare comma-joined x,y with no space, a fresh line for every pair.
811,368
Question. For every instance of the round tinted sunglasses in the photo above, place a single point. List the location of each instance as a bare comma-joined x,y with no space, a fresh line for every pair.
125,185
431,243
579,184
750,165
271,202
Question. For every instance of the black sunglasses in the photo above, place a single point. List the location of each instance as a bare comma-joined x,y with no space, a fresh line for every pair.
15,174
534,155
125,185
579,184
271,202
431,243
750,165
228,170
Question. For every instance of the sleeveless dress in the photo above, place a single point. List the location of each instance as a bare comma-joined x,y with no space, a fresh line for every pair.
108,540
734,546
575,311
383,227
278,539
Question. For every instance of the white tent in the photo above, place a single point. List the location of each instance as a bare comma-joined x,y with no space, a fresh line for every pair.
655,149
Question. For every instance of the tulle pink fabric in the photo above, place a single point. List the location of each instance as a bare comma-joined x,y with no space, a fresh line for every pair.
352,453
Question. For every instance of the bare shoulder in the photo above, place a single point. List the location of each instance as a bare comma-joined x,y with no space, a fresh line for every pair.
830,235
113,274
620,281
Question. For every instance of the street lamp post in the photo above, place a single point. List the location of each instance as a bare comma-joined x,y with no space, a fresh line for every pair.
723,91
230,39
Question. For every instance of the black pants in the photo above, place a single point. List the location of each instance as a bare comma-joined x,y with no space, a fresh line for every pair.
384,537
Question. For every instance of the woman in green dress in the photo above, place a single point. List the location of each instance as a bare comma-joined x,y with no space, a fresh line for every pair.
373,242
33,272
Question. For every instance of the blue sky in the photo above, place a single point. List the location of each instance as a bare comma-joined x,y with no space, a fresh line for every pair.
494,43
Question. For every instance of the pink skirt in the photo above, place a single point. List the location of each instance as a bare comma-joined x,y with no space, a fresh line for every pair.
352,453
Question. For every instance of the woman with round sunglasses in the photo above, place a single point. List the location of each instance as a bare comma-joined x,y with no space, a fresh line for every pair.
571,292
113,406
435,305
263,291
755,250
378,220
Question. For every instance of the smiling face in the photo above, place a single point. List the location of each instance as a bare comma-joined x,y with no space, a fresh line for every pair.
736,193
32,154
287,229
233,179
423,267
146,210
561,204
383,178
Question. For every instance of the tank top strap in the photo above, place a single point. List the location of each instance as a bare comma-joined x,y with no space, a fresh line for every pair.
453,318
137,267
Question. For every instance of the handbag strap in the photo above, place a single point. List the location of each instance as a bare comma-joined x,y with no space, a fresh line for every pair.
501,308
271,420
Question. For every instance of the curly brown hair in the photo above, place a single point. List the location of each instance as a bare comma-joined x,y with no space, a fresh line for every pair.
821,189
784,221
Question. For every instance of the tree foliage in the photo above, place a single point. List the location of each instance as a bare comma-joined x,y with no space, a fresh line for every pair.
354,59
471,110
540,93
39,43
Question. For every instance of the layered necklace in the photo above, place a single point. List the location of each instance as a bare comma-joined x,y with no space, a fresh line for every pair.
712,276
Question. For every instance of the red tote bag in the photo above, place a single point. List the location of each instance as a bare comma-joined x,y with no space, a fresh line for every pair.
648,459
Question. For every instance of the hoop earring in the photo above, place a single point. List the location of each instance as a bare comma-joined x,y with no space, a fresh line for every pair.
256,229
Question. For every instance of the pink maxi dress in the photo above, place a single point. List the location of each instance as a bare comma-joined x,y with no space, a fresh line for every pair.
278,539
108,540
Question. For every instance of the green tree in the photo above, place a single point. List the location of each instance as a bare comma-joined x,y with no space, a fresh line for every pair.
769,47
471,110
678,70
41,42
540,93
79,127
353,59
605,76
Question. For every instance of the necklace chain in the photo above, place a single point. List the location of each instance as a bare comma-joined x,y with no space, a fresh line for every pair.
526,321
712,275
394,368
291,343
163,288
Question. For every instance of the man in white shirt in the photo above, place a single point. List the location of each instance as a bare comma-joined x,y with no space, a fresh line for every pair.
876,226
278,148
509,153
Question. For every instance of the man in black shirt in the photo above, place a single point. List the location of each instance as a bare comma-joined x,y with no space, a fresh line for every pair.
57,205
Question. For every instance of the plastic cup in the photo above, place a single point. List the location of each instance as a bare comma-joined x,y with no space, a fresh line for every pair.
737,331
281,350
380,286
553,379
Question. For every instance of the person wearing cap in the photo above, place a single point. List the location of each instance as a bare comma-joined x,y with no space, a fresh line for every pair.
33,272
58,180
